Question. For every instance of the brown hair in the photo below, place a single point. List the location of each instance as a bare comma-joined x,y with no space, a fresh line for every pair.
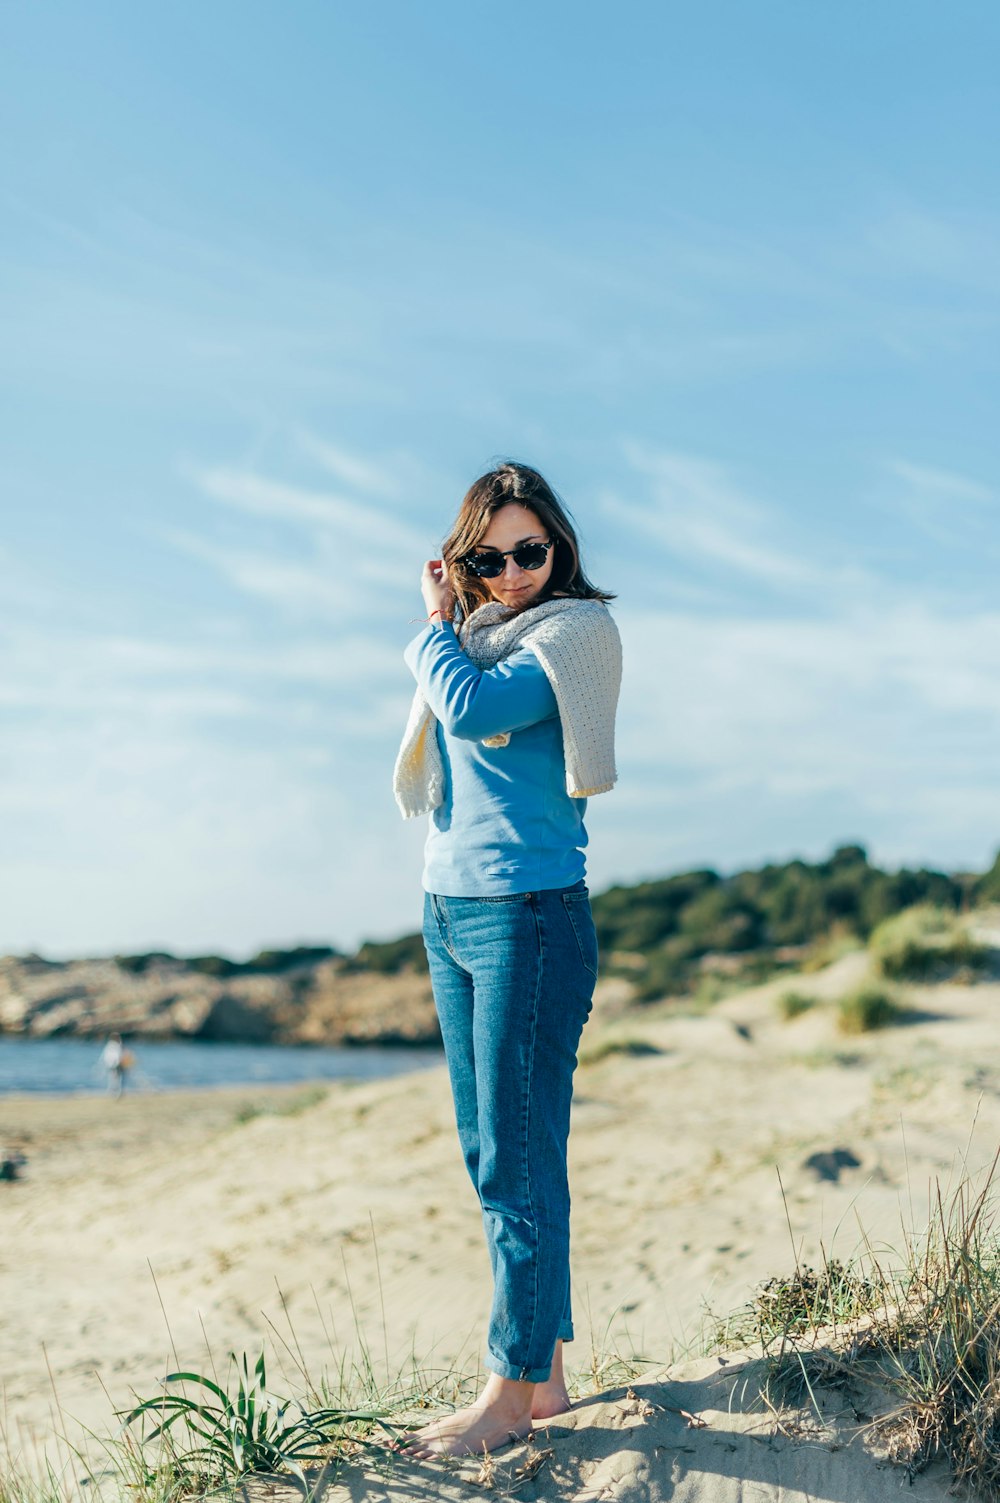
507,482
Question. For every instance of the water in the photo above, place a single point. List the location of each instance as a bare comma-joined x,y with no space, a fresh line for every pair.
61,1066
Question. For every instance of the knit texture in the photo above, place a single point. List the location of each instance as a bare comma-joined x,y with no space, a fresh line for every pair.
578,646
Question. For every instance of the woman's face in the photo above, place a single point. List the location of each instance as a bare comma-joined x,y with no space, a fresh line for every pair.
512,525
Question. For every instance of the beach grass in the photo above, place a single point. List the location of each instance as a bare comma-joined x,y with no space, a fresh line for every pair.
921,1330
208,1435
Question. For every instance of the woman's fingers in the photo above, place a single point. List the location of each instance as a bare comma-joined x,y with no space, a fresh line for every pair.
436,586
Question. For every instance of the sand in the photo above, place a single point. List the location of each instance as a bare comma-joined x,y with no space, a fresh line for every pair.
351,1200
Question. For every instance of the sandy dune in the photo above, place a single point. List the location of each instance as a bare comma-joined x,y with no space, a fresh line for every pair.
683,1436
676,1156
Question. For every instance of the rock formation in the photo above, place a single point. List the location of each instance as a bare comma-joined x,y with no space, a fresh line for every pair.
326,1002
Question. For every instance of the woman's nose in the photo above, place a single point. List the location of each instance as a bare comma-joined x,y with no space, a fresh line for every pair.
511,568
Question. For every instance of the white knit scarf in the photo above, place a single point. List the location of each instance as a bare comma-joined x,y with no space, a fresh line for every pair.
577,643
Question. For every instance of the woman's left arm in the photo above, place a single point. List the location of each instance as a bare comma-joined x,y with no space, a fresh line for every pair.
474,703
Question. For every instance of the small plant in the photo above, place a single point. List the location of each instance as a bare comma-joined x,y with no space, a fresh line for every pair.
793,1004
603,1048
784,1309
291,1106
253,1431
866,1008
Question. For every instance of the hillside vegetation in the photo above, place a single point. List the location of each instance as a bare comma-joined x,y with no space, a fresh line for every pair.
669,935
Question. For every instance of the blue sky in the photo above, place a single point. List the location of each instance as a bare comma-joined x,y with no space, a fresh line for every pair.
279,281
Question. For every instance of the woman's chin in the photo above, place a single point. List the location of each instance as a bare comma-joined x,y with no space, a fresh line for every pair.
517,597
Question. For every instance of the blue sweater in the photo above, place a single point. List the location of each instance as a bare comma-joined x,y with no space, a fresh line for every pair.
507,823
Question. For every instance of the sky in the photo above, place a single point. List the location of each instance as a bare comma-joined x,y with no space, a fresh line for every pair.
278,282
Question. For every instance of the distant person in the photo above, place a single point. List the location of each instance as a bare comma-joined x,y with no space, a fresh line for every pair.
511,730
117,1061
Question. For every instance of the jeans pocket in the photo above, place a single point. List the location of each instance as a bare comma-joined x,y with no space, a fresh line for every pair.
577,906
506,897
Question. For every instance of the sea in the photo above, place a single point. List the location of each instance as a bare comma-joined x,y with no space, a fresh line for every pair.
59,1067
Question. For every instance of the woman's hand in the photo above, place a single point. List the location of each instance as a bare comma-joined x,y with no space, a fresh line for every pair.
436,589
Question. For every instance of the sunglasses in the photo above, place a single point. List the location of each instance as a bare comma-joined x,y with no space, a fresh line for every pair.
490,563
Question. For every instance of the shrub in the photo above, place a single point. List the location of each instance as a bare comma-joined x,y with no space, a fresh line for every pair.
284,960
137,965
866,1008
923,943
389,957
218,966
793,1004
806,1301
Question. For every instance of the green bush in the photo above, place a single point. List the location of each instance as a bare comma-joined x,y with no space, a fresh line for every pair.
284,960
793,1004
389,957
214,965
679,919
866,1008
137,965
924,943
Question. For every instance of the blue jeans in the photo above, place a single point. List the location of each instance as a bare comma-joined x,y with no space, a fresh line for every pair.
513,981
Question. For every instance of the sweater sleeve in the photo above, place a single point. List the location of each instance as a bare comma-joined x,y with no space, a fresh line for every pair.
473,703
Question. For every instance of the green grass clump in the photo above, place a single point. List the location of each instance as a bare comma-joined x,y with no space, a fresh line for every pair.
866,1008
925,943
250,1429
793,1004
806,1301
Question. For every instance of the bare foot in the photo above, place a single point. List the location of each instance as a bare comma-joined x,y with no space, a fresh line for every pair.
552,1396
502,1413
550,1399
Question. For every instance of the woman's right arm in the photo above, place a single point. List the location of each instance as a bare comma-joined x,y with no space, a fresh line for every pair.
474,703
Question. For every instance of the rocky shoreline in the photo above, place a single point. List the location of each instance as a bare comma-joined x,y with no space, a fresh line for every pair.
325,1002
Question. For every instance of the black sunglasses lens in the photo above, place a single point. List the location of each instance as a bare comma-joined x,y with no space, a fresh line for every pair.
485,565
530,556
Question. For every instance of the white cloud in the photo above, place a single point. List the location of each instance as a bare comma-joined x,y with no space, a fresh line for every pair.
943,485
357,472
698,515
358,550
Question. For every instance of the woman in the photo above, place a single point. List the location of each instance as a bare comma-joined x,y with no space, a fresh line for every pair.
511,730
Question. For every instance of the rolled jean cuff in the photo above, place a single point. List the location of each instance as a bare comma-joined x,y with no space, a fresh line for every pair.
519,1374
